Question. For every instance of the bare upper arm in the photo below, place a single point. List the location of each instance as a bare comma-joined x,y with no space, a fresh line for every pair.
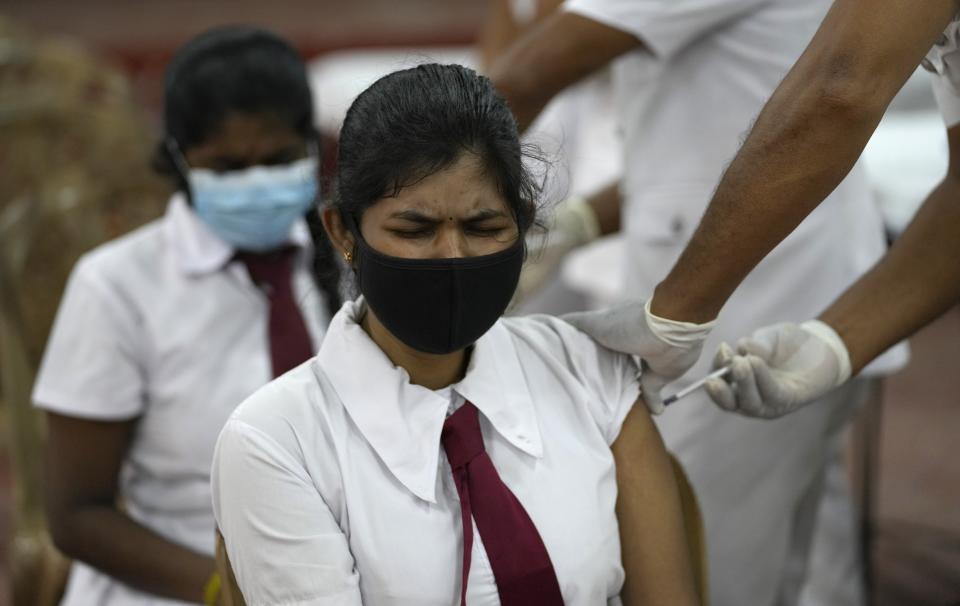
83,461
559,51
653,539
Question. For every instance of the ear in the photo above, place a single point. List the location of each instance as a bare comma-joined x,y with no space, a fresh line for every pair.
338,233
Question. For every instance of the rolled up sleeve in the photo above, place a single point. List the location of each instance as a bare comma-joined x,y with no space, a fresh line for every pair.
665,26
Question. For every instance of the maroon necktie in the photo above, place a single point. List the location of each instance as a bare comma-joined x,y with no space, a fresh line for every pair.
290,343
520,562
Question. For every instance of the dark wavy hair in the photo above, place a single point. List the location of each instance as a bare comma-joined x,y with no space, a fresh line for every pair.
415,122
248,70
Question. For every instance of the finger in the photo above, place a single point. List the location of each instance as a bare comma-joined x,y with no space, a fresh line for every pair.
722,394
768,385
772,389
748,398
723,357
595,323
620,316
750,346
574,318
650,387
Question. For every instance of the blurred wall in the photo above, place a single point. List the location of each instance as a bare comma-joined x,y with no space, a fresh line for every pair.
142,35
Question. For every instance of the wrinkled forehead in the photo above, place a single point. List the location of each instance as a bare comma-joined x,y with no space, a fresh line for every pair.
459,191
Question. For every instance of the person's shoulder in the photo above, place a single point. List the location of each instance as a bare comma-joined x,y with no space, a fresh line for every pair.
129,254
547,334
290,409
551,338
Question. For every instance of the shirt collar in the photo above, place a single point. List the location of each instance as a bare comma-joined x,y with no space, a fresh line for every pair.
197,248
402,421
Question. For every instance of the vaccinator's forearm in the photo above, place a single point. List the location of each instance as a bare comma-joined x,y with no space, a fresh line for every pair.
803,144
561,50
916,282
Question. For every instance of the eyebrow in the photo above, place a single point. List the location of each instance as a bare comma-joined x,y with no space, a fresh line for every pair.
416,216
230,159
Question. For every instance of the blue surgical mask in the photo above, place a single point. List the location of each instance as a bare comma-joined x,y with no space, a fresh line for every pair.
255,208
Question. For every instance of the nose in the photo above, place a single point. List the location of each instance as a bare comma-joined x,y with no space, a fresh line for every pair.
453,244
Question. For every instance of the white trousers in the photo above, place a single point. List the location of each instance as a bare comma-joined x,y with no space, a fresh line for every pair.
835,568
761,485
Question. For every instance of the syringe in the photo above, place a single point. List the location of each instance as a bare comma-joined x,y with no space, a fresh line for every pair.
722,372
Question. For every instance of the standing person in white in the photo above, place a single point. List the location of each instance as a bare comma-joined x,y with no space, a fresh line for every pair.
691,76
578,131
782,368
161,333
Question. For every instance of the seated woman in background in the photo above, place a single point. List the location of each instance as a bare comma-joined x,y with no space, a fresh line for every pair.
433,452
162,332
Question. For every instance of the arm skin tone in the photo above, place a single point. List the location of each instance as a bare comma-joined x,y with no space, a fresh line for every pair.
500,29
83,460
652,535
606,204
803,144
559,51
917,281
556,50
497,31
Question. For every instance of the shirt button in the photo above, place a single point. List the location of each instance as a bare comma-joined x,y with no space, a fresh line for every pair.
676,225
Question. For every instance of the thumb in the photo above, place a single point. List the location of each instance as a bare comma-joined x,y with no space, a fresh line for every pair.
722,394
651,385
765,341
759,346
581,320
723,357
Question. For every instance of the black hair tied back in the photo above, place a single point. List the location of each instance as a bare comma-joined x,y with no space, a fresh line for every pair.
415,122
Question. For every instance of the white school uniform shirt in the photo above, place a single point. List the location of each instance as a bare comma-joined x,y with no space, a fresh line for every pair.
331,487
686,102
161,326
943,61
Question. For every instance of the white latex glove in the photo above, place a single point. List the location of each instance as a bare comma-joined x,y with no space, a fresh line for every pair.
779,369
666,348
574,224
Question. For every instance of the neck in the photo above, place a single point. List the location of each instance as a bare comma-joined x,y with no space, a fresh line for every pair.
433,371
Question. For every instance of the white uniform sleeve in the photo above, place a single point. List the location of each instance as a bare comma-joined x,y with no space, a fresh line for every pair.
665,26
91,366
284,543
610,378
947,99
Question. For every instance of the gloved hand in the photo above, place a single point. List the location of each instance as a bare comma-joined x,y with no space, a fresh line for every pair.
779,369
574,224
666,348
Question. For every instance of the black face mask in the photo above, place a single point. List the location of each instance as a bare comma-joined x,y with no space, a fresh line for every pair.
437,306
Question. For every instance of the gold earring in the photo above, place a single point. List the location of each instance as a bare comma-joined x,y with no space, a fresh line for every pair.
348,256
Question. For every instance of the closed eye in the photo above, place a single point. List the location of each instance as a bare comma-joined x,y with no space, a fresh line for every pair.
412,234
486,232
